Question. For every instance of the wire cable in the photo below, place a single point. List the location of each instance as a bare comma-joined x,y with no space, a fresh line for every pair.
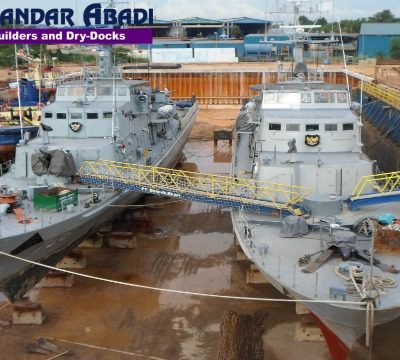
182,292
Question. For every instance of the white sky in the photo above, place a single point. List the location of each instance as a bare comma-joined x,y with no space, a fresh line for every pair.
219,9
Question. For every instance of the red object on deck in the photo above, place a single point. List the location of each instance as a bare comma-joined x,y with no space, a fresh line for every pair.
338,349
8,199
19,213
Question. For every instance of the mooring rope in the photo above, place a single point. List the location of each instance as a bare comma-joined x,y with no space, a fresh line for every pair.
102,348
182,292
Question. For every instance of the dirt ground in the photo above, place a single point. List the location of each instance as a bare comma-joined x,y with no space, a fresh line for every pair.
181,245
388,75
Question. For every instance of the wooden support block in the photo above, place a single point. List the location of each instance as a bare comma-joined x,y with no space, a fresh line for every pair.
301,309
75,260
240,255
235,239
27,314
122,240
93,242
56,279
106,227
308,330
254,276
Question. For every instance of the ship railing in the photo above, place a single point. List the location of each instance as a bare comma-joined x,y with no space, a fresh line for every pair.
86,75
313,75
282,269
384,183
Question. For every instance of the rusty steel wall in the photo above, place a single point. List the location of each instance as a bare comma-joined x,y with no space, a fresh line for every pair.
217,88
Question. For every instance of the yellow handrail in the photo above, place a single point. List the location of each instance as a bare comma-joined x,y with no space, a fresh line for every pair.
214,187
379,183
385,94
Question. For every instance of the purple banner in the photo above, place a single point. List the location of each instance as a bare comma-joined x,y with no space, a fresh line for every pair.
76,36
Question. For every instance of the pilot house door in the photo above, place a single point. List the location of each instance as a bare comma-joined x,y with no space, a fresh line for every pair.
349,180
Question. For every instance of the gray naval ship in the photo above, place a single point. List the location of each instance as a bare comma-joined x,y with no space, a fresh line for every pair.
45,210
331,237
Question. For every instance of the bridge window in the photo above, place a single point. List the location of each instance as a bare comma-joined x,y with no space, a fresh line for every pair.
288,98
76,116
75,91
348,126
48,115
104,91
107,115
91,91
61,91
92,116
122,91
330,127
61,116
312,127
341,98
269,98
292,127
306,98
324,97
275,127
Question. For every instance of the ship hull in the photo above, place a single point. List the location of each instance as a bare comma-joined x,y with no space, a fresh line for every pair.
342,325
17,276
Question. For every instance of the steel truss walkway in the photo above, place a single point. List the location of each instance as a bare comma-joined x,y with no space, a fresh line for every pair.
375,189
385,94
243,193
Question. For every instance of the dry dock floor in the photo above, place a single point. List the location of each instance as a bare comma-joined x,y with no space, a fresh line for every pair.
181,245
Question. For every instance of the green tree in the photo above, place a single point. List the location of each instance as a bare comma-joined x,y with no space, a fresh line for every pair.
304,20
121,55
384,16
395,48
7,55
235,31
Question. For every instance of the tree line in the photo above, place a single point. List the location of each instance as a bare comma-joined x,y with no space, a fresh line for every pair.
350,26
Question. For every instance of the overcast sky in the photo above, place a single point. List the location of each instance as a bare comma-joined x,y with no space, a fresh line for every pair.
220,9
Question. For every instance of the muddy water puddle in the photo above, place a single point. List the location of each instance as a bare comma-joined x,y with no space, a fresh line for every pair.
181,246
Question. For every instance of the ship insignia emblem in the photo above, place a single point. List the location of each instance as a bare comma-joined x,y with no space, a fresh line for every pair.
75,126
313,140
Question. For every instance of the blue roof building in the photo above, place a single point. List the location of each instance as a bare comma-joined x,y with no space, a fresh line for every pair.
375,38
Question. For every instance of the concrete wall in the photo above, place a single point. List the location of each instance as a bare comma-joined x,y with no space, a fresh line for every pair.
194,55
180,56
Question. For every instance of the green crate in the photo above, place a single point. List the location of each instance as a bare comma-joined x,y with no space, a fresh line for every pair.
48,200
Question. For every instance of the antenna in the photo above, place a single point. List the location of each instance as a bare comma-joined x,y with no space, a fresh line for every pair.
18,89
113,111
19,93
344,56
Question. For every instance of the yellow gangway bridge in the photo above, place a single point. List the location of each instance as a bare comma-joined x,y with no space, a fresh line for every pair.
375,189
249,194
383,93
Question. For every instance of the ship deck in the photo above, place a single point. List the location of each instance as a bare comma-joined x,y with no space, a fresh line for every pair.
279,256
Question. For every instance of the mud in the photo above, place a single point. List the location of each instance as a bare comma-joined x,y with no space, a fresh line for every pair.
181,245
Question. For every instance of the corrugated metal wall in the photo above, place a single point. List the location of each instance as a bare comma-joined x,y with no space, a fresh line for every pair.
216,88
